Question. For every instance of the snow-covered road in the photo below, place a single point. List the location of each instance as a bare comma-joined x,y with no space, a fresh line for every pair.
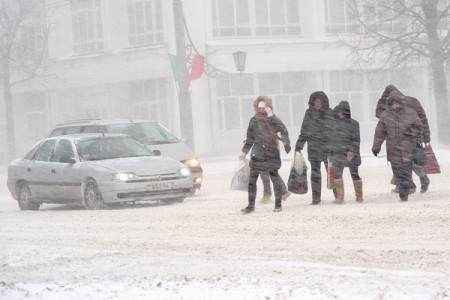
204,249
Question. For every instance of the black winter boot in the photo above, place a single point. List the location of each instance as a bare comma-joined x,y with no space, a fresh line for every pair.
247,210
424,183
250,207
277,205
315,197
403,193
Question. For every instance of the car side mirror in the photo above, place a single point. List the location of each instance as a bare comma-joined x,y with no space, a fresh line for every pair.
68,160
156,153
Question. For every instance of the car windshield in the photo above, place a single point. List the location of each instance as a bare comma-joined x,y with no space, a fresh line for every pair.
147,133
108,148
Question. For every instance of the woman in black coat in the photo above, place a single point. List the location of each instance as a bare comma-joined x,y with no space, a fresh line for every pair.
317,129
345,145
262,131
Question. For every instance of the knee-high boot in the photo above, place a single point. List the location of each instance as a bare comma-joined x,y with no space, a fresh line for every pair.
358,185
339,190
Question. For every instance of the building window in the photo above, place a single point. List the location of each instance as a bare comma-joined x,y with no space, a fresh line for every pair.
340,17
87,26
289,92
235,100
33,35
257,18
444,22
348,86
36,115
150,100
386,16
145,22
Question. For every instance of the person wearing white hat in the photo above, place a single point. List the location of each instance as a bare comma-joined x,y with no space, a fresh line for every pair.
262,140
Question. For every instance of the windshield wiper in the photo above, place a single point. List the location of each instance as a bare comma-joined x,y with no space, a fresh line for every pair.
159,142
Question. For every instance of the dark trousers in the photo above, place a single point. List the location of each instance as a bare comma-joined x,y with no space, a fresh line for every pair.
403,175
252,189
418,170
265,177
316,180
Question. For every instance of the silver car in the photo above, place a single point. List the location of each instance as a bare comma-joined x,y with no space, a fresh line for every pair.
150,133
94,170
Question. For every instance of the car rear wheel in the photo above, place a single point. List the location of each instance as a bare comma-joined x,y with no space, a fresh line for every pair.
92,196
173,200
25,199
178,200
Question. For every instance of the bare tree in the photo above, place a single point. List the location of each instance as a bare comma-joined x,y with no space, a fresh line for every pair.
23,48
407,33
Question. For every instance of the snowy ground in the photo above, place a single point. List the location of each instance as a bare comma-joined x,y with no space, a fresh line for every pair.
204,249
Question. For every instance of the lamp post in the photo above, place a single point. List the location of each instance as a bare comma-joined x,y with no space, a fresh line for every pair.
239,60
184,96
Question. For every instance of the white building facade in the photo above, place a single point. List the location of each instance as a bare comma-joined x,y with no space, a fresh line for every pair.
110,59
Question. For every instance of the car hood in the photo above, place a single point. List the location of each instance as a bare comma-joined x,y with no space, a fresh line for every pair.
148,165
179,151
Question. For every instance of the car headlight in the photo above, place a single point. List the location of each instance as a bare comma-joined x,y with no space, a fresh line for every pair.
184,172
124,176
192,162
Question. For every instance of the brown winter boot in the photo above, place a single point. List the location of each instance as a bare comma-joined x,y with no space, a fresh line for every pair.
339,191
357,184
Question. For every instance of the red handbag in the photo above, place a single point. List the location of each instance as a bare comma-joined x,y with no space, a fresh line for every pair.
432,166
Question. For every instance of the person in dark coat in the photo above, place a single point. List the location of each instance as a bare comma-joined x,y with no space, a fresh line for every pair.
317,128
399,126
262,131
265,177
345,145
426,137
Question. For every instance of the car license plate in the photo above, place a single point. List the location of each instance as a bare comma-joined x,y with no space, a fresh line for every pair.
155,186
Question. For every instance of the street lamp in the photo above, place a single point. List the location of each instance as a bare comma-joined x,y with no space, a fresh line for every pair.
239,60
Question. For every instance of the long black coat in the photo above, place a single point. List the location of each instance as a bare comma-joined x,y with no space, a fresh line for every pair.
346,137
317,129
263,129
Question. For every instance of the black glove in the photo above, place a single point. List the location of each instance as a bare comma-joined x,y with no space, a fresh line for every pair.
287,148
408,132
375,152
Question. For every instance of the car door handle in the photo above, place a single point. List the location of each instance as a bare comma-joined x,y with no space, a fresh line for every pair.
29,169
53,171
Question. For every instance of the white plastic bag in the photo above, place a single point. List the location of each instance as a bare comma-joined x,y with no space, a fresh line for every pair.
241,174
299,163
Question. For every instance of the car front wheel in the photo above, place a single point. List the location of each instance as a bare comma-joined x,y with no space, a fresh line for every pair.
25,199
92,196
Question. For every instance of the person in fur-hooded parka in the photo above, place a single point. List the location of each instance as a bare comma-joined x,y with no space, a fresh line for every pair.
262,131
345,145
317,129
399,126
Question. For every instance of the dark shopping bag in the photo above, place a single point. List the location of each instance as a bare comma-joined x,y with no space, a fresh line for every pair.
239,182
419,156
298,181
331,172
432,166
